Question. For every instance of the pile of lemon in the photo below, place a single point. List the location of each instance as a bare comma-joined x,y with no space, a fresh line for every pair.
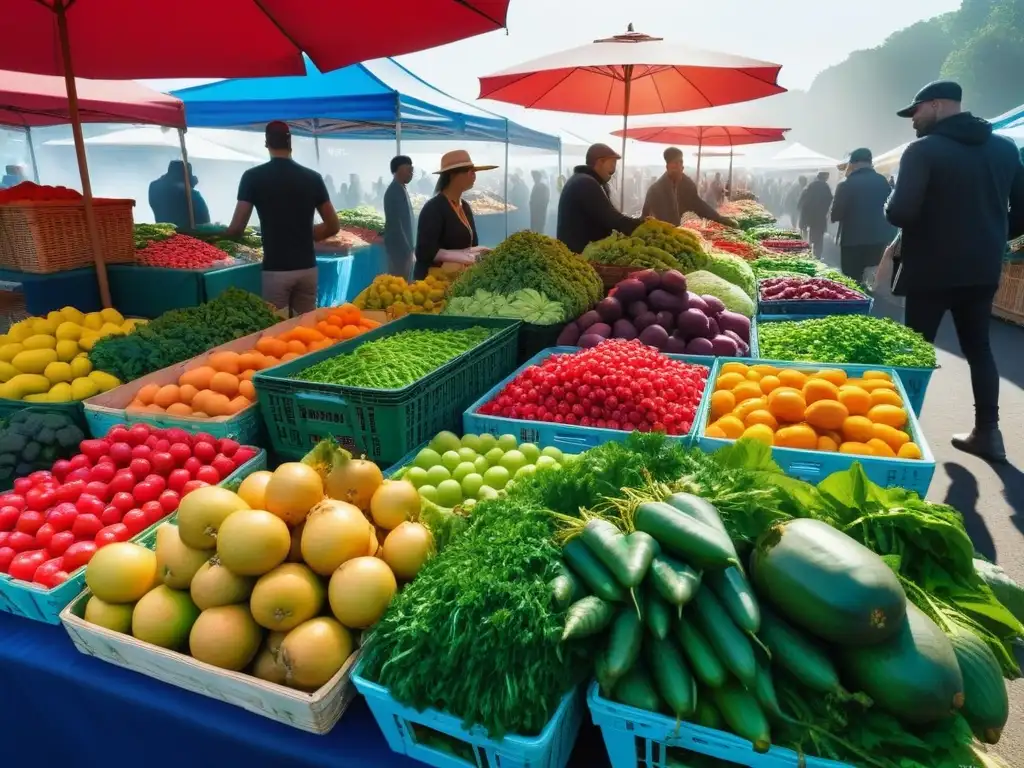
398,297
815,410
46,359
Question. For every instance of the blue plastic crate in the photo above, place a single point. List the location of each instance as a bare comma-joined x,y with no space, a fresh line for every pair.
915,380
568,438
438,739
637,738
815,308
815,466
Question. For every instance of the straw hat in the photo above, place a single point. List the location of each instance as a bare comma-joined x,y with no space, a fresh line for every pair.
459,159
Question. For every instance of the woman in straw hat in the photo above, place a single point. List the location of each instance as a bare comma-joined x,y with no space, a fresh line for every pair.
446,221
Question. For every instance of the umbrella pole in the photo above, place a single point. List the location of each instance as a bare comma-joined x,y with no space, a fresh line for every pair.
506,178
700,147
32,154
316,148
188,181
730,171
83,165
628,72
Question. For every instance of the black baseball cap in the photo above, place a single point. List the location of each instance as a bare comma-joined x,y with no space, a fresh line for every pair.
945,90
278,135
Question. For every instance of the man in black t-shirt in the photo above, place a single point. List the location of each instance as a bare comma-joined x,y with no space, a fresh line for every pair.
285,195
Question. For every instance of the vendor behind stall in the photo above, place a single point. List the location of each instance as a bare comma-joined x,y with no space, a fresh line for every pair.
446,220
169,200
285,195
585,210
675,194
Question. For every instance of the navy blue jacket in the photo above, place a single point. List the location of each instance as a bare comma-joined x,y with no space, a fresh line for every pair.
586,212
170,206
859,207
959,197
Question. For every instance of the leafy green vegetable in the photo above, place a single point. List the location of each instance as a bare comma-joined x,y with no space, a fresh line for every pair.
735,299
735,270
619,250
861,339
772,232
363,216
771,267
682,244
527,304
530,260
144,234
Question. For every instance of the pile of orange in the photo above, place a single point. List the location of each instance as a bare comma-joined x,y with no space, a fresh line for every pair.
222,386
821,410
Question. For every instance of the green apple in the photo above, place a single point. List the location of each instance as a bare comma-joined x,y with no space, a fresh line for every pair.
524,471
472,442
428,492
437,474
487,442
427,458
451,460
508,442
545,461
445,441
471,485
513,461
481,463
465,468
449,493
530,451
467,454
497,477
553,452
493,456
416,475
486,492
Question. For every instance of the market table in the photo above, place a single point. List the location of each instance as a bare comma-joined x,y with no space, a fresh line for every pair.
45,293
334,275
344,274
140,291
47,684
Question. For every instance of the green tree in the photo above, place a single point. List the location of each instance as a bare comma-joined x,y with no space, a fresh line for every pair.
989,63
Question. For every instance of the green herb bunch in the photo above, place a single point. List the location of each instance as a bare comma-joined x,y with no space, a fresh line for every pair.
861,339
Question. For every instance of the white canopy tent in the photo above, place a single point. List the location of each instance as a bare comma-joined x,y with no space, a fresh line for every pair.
797,157
199,148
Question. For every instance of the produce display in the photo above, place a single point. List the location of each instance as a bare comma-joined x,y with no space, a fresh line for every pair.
395,361
399,297
28,191
275,580
146,234
363,217
32,439
806,289
47,359
773,232
526,304
615,385
54,522
664,311
530,260
748,214
621,251
815,410
682,244
181,252
222,385
766,267
734,270
861,339
746,251
182,334
787,245
347,238
732,296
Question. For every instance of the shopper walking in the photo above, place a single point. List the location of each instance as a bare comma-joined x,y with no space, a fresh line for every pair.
959,197
398,237
792,201
859,209
585,209
814,204
540,199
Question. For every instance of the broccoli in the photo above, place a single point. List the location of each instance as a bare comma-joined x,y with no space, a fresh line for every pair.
46,436
12,442
69,436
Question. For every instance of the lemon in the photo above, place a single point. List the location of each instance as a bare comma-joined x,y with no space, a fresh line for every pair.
68,331
40,325
110,315
88,340
109,328
59,393
40,341
93,321
104,380
83,388
20,331
7,371
72,315
9,350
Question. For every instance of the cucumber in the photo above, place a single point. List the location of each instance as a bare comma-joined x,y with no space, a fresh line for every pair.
707,713
624,641
827,583
636,689
744,716
732,646
566,589
914,675
699,509
986,706
706,665
586,617
799,655
685,536
592,572
732,588
672,678
674,581
608,544
657,614
764,692
641,550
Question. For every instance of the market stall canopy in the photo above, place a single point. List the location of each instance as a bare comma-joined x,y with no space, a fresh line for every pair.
1011,119
797,157
364,101
199,148
29,101
704,135
887,162
229,38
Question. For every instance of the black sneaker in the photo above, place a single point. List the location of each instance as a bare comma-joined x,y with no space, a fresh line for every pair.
986,444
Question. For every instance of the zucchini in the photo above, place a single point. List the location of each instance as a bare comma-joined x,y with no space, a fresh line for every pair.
624,641
744,716
707,714
586,617
685,536
1007,591
673,680
827,583
675,581
764,692
986,705
657,614
636,689
641,550
566,588
799,655
733,589
700,509
592,572
732,646
706,665
914,675
608,544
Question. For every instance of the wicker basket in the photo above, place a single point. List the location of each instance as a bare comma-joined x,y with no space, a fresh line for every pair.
1009,301
611,274
43,237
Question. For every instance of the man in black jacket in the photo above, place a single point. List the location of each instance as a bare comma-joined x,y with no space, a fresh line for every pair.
959,197
585,210
675,194
814,203
859,208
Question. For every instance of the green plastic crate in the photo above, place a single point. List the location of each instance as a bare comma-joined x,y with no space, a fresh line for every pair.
383,425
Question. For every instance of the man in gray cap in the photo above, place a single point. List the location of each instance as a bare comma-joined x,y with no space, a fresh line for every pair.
585,209
959,196
859,209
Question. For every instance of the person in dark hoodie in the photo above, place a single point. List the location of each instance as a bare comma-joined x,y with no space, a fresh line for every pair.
585,209
859,208
675,193
959,197
814,204
168,201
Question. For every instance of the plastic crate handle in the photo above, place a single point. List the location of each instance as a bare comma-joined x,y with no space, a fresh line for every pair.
581,441
317,400
805,470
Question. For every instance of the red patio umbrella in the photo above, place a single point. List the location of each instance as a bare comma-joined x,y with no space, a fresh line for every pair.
128,39
632,74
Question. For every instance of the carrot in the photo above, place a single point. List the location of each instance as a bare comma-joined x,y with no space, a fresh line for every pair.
586,617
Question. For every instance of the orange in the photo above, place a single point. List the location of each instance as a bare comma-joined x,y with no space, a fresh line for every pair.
857,429
217,404
760,432
268,345
734,366
790,377
179,409
247,390
872,384
250,361
826,414
820,389
832,434
198,377
769,382
893,415
826,443
787,406
167,395
882,396
748,406
238,404
856,382
834,375
322,344
856,400
271,361
765,370
891,436
225,384
763,417
882,375
224,361
715,431
729,380
199,401
746,390
722,402
909,451
247,375
350,332
297,347
186,392
136,405
861,449
731,426
753,375
328,330
288,356
797,436
146,394
881,448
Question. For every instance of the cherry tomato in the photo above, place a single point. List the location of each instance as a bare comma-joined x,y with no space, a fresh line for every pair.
22,486
30,522
40,499
121,453
40,477
88,504
180,452
227,446
46,573
142,451
60,542
123,482
154,512
203,437
169,500
43,536
162,445
223,465
86,527
135,522
62,516
61,467
12,500
146,491
118,434
205,452
25,564
138,434
79,554
9,517
177,479
163,463
208,475
191,485
71,490
243,455
100,490
6,556
79,461
111,515
140,468
177,435
192,465
103,472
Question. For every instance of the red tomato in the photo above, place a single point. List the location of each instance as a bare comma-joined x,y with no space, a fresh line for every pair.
22,486
145,491
4,535
103,472
162,445
42,476
180,452
177,479
88,504
80,461
121,453
151,442
43,536
227,446
223,465
191,485
123,501
118,434
135,522
177,435
60,542
94,449
60,469
158,481
9,517
25,564
208,475
30,522
143,451
203,437
100,490
12,500
111,515
82,473
169,500
79,554
123,482
204,452
193,465
71,490
162,462
154,512
138,434
140,468
40,499
46,573
86,527
6,556
243,455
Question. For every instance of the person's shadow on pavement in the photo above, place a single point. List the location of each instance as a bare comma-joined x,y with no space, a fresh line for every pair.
1013,491
962,495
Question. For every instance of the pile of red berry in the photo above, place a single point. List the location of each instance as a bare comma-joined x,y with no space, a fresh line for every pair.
616,385
53,522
